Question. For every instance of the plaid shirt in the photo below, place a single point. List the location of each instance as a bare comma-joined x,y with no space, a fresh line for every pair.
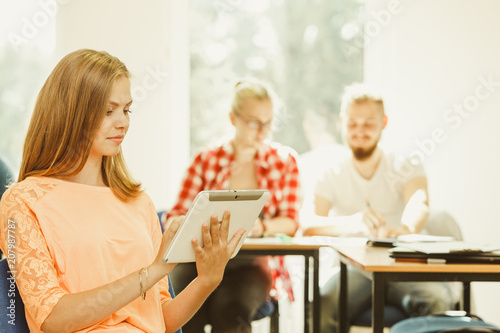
277,171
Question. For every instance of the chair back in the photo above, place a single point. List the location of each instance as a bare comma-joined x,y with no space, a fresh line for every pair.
6,175
442,324
12,317
472,330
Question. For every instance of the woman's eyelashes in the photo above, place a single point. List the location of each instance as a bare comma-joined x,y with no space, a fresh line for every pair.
110,112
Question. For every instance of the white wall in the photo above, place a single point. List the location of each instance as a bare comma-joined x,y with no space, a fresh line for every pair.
151,38
430,56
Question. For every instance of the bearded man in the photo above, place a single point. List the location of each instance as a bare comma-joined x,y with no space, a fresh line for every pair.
372,193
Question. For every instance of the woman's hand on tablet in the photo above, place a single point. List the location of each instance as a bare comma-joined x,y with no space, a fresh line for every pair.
168,235
211,260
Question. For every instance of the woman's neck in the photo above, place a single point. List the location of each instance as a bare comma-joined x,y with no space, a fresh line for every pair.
91,174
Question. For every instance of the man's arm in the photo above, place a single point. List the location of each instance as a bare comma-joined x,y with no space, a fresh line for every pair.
416,210
322,225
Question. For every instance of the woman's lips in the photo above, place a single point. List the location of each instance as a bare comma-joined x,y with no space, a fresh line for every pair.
117,139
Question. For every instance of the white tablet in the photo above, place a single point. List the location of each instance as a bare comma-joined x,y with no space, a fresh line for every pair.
244,205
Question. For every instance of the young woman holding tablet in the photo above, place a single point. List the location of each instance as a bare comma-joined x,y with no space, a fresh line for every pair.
87,242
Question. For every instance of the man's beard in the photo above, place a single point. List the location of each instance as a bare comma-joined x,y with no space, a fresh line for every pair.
362,154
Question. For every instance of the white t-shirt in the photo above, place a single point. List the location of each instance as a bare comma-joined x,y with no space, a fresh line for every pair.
350,193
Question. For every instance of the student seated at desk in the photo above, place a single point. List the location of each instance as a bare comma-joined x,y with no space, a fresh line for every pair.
86,240
372,193
247,161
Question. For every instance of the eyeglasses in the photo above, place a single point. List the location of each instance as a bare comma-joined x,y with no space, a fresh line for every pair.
256,124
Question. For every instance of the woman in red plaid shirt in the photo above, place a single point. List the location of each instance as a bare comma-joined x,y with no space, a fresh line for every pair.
247,161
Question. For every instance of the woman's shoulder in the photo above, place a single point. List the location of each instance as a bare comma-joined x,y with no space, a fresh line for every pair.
142,199
37,185
28,190
280,151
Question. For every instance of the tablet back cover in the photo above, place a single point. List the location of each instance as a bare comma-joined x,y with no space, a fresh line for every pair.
245,206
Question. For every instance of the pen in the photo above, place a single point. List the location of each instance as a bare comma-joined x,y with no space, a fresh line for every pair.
374,231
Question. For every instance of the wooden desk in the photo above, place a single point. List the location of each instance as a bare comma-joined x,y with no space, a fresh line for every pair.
376,264
301,247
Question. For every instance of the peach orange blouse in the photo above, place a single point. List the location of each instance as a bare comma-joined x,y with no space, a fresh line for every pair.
63,237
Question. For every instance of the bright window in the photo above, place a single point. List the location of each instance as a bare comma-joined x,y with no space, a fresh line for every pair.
307,50
26,45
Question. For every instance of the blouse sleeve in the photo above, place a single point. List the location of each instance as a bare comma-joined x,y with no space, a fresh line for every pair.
28,256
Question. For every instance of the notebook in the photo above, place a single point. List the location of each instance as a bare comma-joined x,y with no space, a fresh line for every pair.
405,254
457,247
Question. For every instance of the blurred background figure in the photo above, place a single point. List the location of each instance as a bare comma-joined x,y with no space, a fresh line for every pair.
246,161
372,193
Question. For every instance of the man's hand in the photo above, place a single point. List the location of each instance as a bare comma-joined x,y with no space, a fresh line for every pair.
393,231
374,221
245,151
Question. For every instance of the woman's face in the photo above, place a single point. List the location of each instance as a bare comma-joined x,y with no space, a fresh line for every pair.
253,121
115,125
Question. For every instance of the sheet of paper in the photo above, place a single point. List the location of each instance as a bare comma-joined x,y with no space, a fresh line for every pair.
412,238
448,247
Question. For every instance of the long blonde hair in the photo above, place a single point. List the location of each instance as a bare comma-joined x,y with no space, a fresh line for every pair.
68,112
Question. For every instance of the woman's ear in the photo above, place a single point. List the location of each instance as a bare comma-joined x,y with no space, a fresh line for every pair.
385,120
232,117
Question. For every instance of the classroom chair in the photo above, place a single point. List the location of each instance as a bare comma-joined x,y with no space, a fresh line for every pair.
392,315
6,175
456,322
